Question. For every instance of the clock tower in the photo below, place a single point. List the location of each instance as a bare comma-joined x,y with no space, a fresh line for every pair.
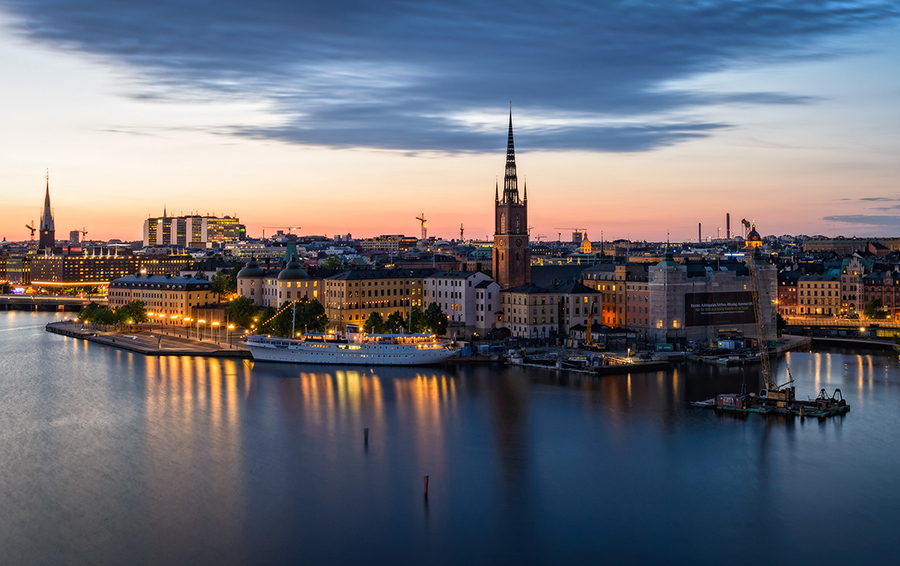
512,258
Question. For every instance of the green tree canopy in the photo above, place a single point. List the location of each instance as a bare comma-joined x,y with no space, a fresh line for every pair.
395,322
311,316
374,324
435,319
875,309
134,311
219,284
87,313
333,261
418,320
241,312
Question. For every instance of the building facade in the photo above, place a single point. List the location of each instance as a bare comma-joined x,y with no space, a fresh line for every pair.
192,231
455,293
171,300
819,295
703,302
530,311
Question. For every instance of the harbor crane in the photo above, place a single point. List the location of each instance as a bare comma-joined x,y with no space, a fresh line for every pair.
421,218
32,228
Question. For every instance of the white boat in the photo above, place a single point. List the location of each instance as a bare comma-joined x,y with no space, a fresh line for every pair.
356,349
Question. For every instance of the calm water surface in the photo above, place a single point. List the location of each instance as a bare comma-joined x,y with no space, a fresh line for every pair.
108,457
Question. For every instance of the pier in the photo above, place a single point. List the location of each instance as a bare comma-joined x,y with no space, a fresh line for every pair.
147,342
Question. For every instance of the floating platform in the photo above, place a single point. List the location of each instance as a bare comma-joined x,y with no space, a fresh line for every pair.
778,402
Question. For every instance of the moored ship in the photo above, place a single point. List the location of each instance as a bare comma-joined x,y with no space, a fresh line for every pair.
356,349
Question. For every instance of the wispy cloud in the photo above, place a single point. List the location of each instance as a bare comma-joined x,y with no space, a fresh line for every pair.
866,220
391,74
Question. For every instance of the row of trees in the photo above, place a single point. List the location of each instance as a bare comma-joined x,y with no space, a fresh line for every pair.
132,313
305,316
432,319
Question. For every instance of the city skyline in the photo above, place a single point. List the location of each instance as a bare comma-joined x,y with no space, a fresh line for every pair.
662,117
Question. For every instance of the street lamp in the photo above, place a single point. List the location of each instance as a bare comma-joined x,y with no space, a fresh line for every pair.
216,324
200,332
228,336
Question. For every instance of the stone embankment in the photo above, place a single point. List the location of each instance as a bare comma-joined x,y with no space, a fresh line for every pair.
148,342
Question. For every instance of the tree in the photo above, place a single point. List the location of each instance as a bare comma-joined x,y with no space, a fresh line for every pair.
218,283
874,309
374,324
435,319
265,320
418,323
395,322
87,313
311,315
231,283
201,275
241,311
333,261
134,312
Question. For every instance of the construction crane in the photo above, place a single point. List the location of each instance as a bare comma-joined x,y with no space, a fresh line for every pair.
83,233
540,237
574,231
589,335
32,228
782,395
289,229
421,218
747,227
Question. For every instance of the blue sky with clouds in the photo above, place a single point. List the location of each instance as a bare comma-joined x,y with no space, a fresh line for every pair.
613,76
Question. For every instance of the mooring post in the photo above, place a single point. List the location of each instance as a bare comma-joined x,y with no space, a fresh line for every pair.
426,487
366,435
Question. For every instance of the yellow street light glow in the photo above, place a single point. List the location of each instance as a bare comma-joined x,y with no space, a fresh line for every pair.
230,327
201,321
216,323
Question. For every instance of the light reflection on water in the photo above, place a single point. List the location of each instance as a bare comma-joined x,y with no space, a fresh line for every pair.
110,457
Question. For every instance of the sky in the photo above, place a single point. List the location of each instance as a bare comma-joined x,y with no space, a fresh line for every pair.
633,119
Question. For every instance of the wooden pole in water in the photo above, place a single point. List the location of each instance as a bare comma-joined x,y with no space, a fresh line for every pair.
426,487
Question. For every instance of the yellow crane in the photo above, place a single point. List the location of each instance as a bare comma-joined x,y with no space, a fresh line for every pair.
782,395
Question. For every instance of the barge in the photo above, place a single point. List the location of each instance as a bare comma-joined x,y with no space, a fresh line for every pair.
778,400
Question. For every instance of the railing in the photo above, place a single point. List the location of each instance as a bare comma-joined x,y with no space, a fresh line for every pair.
50,300
840,322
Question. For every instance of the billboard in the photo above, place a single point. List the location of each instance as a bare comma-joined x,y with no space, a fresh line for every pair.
704,309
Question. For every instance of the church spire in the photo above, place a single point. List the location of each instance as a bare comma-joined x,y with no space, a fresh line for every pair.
47,215
496,190
510,183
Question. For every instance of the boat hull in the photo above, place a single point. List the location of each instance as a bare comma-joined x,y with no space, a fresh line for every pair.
344,354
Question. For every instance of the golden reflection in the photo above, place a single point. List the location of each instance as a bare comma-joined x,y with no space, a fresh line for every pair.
859,363
191,415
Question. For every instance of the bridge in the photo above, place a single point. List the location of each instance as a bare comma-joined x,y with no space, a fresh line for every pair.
47,302
844,331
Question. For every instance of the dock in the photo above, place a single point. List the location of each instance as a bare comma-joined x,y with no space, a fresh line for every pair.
149,343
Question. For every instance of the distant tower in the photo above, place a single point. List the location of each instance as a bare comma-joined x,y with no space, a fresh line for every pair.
727,225
512,258
47,230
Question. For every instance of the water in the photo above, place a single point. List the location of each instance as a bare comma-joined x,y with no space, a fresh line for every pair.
108,457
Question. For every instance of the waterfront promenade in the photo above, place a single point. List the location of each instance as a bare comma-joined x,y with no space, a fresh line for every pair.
150,342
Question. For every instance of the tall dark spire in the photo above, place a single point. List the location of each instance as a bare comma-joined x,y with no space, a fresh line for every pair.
510,183
47,215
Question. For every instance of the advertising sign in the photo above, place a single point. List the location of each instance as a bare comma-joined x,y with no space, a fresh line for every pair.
703,309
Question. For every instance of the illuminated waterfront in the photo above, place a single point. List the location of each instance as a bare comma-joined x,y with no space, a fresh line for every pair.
111,457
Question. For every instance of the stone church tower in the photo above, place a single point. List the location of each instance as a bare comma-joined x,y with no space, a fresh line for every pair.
512,258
